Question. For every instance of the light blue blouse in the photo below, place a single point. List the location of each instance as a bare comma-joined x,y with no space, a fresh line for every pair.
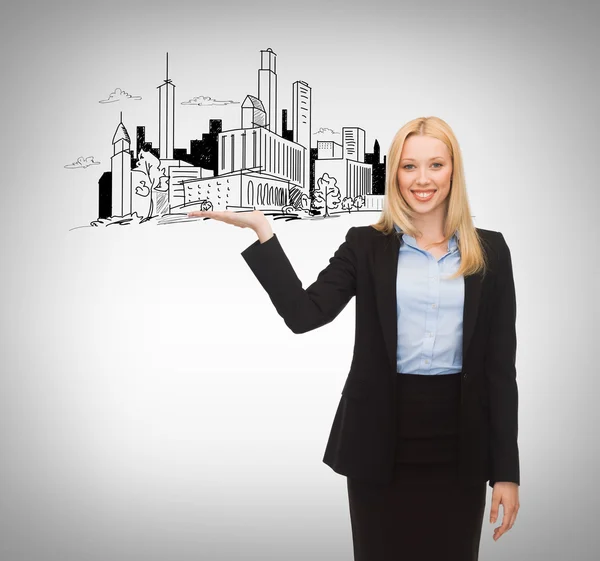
430,309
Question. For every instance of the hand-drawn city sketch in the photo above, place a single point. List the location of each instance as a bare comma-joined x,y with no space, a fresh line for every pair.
266,163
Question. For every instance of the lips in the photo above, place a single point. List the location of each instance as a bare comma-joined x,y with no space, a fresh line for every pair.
428,192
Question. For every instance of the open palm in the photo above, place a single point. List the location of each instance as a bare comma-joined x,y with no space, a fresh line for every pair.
252,219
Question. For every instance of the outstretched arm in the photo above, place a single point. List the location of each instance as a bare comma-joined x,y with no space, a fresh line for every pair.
305,309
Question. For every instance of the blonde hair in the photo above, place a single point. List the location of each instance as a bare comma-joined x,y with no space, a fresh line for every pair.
458,217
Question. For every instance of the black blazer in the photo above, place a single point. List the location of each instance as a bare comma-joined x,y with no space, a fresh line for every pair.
362,439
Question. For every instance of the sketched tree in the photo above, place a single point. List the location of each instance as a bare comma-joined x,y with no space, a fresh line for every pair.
347,204
151,181
359,201
327,193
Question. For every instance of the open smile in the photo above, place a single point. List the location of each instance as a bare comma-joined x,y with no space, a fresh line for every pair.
423,195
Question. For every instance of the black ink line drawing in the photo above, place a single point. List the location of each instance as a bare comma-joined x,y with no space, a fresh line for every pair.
204,100
166,117
326,132
82,162
261,164
117,95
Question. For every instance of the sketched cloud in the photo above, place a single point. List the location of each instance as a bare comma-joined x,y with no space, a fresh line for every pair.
325,131
82,163
118,95
205,100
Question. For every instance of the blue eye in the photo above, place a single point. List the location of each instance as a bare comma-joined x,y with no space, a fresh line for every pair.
410,165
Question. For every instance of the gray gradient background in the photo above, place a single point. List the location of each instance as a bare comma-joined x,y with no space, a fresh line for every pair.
153,404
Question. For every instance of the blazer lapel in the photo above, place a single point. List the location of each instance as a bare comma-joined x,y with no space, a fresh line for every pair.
385,264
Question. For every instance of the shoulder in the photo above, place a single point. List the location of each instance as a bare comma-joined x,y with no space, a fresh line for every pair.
493,240
357,234
486,233
497,250
368,231
366,236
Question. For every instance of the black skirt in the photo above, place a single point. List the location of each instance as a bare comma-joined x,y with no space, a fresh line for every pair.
425,513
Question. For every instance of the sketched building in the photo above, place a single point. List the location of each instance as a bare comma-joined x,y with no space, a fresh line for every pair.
267,87
120,167
166,116
301,109
375,201
346,163
253,113
354,143
257,167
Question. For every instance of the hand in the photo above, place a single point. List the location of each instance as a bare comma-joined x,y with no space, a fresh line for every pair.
507,494
255,220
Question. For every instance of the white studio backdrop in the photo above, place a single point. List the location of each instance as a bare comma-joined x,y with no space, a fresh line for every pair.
153,403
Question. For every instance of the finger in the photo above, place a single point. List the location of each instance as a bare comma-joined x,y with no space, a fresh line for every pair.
498,529
494,509
513,517
506,518
226,216
207,214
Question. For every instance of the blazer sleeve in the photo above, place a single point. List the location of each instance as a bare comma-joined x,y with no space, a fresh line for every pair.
305,309
501,374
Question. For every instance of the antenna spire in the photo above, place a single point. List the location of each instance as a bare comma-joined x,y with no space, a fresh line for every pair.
167,78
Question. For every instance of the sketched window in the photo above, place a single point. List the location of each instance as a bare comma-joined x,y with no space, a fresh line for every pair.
223,152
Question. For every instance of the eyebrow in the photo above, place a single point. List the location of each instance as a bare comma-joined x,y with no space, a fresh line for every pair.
413,160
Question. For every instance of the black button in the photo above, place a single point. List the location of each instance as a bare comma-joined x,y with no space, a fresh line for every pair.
464,374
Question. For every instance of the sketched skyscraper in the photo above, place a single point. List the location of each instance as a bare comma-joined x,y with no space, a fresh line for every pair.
166,117
120,167
267,87
353,139
301,108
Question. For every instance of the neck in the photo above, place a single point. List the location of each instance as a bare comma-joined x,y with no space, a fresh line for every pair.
431,228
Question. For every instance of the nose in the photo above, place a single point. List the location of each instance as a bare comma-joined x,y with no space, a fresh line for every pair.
423,179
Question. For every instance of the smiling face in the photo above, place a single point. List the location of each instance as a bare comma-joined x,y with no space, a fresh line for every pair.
425,167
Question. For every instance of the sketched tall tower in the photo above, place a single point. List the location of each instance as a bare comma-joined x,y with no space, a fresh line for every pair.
267,87
353,143
166,117
120,168
301,108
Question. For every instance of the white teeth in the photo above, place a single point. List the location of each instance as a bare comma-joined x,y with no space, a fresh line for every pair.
424,195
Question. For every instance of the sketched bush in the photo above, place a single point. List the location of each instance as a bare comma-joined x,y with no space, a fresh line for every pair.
288,209
125,220
347,204
359,202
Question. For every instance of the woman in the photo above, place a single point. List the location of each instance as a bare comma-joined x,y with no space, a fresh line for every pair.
428,413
